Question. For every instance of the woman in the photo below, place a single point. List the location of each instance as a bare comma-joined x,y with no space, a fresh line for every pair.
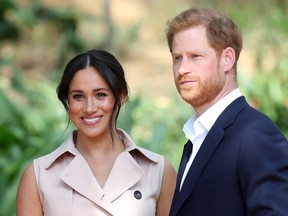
98,170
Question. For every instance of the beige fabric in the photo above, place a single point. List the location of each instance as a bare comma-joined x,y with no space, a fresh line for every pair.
67,186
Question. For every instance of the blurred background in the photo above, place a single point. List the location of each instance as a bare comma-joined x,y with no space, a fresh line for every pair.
38,37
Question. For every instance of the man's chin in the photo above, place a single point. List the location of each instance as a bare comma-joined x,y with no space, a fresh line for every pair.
188,98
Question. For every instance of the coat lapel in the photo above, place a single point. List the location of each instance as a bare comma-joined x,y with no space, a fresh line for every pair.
79,177
125,173
206,150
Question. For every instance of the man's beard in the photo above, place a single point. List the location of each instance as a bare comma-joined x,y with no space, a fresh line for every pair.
203,91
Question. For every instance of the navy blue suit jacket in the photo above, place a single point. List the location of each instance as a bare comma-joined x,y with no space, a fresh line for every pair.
241,169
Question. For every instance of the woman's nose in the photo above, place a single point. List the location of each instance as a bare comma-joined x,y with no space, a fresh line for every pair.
90,106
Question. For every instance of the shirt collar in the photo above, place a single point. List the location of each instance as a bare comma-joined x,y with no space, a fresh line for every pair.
209,117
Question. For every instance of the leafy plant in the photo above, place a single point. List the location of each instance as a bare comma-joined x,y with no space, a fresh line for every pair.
267,91
31,124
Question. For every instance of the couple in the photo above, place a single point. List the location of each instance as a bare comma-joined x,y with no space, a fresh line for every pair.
235,162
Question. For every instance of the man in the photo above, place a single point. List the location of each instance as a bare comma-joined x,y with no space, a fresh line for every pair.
237,157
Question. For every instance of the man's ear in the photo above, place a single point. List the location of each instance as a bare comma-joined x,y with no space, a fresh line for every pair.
229,58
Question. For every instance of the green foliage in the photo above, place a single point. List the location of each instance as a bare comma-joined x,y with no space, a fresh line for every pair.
8,29
157,125
267,92
31,124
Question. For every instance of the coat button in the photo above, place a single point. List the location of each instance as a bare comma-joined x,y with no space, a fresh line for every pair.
137,194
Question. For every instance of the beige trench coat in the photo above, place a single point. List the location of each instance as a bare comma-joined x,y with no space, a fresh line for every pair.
67,186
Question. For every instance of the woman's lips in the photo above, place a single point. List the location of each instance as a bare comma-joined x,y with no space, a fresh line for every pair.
91,120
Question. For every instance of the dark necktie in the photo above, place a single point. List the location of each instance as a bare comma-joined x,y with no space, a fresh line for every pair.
185,157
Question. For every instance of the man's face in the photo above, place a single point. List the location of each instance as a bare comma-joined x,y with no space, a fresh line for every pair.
198,75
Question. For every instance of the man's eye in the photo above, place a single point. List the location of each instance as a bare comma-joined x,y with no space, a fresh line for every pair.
177,58
195,56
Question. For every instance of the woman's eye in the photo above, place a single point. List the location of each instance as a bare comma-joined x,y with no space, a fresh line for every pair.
100,95
77,96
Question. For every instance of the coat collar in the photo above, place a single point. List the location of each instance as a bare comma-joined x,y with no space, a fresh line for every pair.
125,173
68,146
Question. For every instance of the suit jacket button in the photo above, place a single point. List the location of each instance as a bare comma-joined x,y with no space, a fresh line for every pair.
137,194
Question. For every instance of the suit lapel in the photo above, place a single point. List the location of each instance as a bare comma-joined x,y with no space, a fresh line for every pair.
183,162
205,152
181,168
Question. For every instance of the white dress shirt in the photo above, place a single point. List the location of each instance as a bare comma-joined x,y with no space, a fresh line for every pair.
196,128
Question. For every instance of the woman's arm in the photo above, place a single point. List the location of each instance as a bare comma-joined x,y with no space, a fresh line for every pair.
167,190
27,200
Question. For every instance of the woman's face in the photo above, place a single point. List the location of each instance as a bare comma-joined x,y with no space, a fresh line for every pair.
91,103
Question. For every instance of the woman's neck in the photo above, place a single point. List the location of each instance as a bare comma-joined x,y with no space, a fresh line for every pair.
100,146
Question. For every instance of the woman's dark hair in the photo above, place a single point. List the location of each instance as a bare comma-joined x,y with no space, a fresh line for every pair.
107,66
